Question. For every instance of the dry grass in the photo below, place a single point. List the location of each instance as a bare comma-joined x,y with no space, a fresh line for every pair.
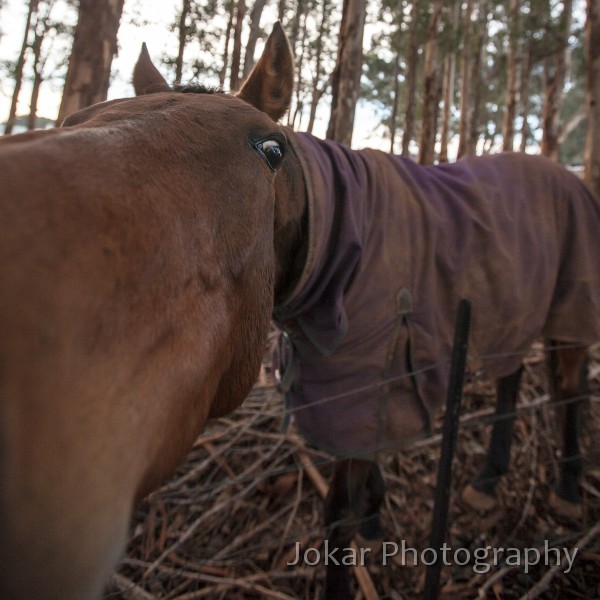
227,523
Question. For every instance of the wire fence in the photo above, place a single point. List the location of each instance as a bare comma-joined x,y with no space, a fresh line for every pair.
276,458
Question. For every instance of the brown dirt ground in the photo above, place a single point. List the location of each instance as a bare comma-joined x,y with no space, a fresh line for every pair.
226,524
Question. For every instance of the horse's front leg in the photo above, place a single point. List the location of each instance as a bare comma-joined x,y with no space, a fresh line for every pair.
356,492
480,494
568,371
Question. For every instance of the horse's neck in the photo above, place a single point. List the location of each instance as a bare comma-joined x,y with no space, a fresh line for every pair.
291,223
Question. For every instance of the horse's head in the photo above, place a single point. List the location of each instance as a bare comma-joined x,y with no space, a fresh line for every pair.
138,253
227,123
237,146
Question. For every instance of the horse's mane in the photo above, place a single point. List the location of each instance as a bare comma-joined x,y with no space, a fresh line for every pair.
196,88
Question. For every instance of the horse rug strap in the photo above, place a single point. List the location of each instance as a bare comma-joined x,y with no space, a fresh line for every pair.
392,247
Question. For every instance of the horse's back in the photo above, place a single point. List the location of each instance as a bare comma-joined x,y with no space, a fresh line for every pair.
517,234
557,223
512,233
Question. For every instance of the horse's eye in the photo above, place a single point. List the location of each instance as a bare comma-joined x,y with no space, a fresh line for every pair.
272,151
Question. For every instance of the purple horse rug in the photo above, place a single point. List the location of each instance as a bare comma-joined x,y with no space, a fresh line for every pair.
393,246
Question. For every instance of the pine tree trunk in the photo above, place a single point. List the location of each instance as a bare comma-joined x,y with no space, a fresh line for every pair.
223,71
183,34
35,93
94,45
592,53
37,78
295,29
448,99
411,80
255,16
396,73
448,88
427,144
571,125
297,43
12,115
395,100
236,55
476,77
281,10
299,68
555,76
317,92
510,110
464,141
526,67
346,76
40,29
439,90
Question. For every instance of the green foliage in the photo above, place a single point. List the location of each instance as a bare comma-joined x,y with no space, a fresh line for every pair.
313,27
571,150
386,56
204,34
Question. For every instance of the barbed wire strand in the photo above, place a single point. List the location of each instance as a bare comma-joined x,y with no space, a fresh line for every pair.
321,460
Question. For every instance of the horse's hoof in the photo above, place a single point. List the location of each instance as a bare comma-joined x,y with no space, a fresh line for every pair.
564,508
476,500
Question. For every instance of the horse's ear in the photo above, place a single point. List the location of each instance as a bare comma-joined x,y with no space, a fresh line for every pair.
146,78
270,84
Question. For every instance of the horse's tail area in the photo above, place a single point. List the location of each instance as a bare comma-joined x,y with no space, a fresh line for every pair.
574,315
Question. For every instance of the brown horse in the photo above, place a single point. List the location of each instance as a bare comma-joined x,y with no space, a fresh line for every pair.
137,268
374,253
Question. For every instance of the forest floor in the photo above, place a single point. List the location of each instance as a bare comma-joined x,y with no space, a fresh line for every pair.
226,525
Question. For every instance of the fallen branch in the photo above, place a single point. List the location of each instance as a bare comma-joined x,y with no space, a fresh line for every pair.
228,582
128,589
542,585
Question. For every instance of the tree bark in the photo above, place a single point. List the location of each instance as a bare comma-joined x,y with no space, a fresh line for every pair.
255,15
182,30
526,67
448,87
592,90
317,92
476,78
12,115
296,40
396,73
571,125
40,30
411,80
448,99
464,141
300,54
346,76
555,75
295,27
427,145
236,55
510,109
94,45
223,71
